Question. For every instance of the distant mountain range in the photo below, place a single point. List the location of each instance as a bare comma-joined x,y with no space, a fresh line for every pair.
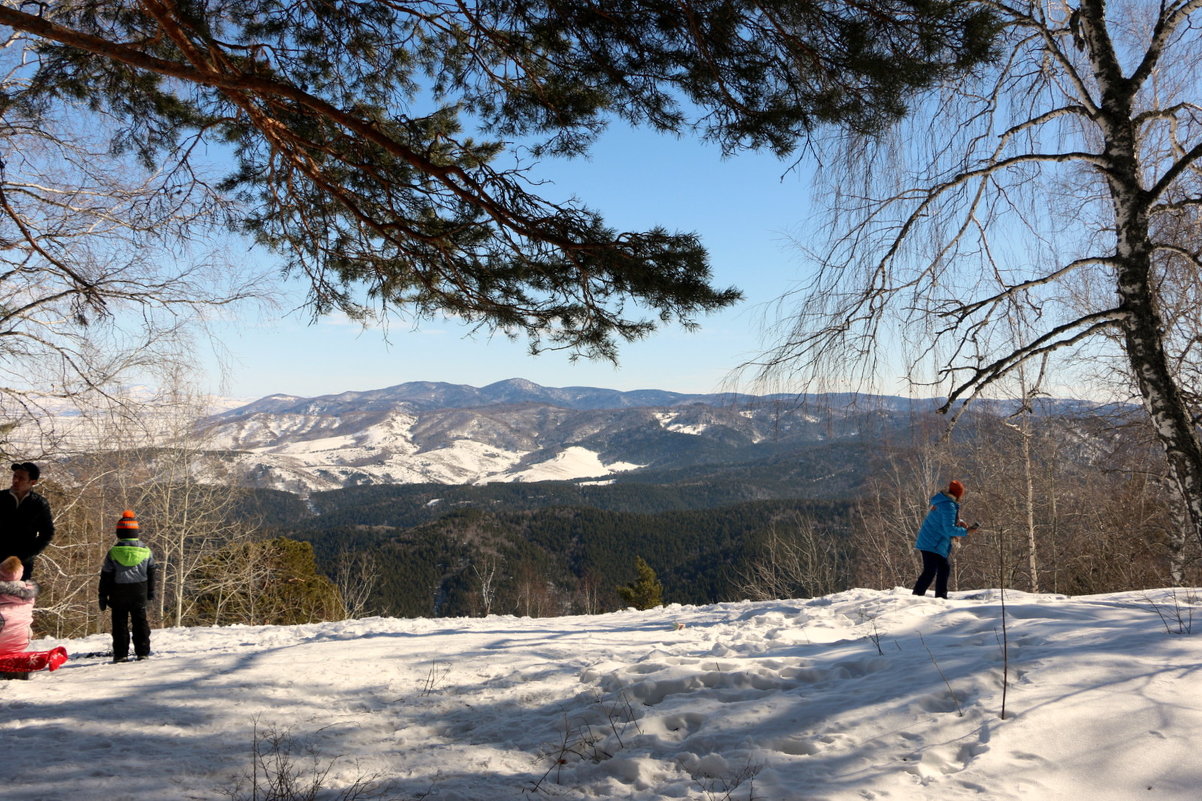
515,430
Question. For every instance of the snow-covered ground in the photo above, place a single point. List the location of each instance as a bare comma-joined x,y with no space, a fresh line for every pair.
572,462
860,695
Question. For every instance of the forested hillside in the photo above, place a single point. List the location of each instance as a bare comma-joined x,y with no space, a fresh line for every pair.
1071,499
823,472
1068,503
549,547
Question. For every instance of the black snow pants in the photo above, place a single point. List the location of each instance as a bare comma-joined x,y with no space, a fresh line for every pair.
937,567
122,617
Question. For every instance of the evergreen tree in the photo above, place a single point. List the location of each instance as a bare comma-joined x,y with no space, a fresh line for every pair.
646,591
273,582
347,121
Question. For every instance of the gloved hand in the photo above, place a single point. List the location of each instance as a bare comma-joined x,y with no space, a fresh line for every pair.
103,604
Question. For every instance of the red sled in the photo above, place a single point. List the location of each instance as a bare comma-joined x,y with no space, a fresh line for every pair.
26,661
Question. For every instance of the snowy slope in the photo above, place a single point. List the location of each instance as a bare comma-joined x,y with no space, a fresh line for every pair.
321,450
515,431
775,701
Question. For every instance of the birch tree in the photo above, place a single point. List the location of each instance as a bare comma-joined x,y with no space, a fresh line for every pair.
1065,181
185,496
487,569
356,576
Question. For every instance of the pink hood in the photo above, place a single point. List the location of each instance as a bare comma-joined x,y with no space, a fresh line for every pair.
16,614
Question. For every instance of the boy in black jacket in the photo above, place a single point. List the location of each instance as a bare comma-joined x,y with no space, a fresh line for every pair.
127,584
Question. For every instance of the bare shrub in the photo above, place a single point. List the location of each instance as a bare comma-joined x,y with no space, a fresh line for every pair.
283,769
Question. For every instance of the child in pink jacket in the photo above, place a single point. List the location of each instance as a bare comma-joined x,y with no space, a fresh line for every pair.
16,606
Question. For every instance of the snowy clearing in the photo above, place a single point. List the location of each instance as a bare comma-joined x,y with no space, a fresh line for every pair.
860,695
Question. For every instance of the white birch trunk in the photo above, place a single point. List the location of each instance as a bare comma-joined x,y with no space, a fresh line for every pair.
1141,323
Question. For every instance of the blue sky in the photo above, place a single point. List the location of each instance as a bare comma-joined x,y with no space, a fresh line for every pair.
745,209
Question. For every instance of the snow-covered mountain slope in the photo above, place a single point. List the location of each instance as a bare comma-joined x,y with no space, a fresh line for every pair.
426,432
516,431
328,449
861,695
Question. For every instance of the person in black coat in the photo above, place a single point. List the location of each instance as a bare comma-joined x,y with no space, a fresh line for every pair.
26,524
127,580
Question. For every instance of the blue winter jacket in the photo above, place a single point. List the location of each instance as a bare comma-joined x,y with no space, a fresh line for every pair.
940,526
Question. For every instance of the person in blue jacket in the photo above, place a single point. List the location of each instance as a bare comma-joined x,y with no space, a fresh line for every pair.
934,541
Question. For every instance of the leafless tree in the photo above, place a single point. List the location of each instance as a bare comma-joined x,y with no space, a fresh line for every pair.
139,453
189,505
533,594
1068,504
1058,181
356,575
69,570
891,508
108,267
232,584
589,590
796,561
108,271
487,569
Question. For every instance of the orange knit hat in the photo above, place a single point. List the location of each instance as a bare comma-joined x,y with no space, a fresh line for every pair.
955,489
128,524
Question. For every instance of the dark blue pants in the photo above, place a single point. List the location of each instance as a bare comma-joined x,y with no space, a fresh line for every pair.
122,616
934,567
